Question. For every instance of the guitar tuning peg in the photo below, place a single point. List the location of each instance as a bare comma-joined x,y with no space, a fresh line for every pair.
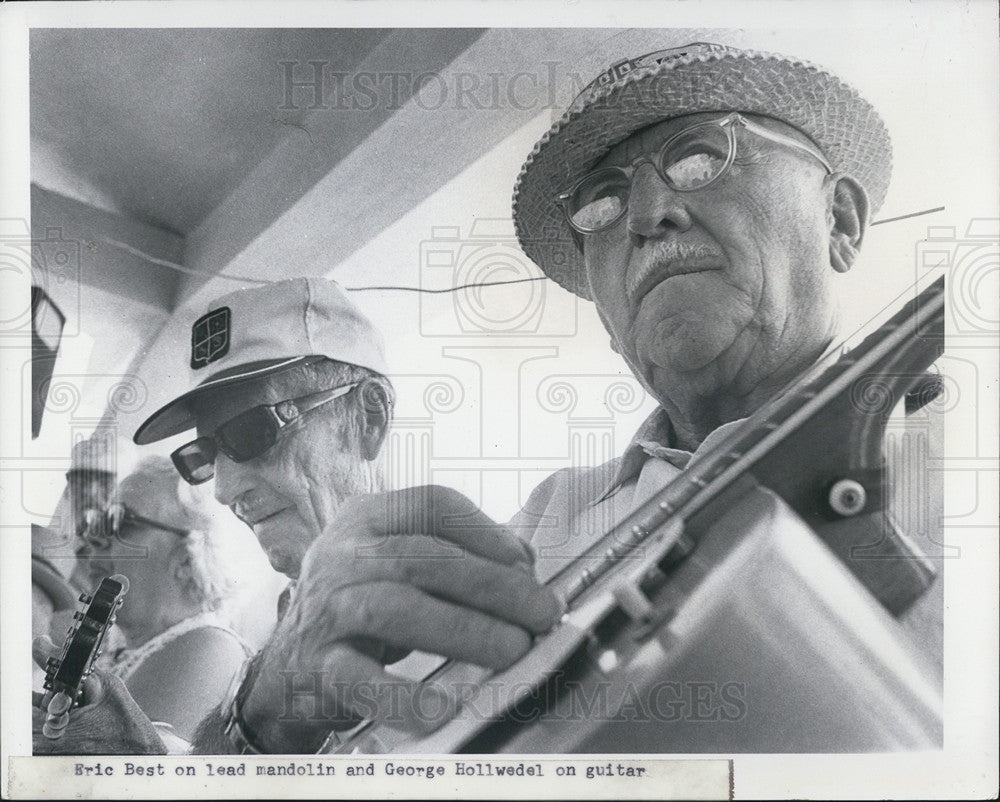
86,598
78,616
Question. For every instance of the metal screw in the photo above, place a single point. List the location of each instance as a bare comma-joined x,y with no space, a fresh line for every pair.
847,497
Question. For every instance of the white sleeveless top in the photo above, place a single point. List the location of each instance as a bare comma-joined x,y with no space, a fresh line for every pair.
127,661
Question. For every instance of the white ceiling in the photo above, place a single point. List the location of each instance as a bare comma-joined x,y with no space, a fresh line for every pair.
162,127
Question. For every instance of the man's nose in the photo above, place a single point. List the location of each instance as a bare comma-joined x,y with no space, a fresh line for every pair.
654,208
232,480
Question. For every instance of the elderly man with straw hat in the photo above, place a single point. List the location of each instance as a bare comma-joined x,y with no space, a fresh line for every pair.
705,199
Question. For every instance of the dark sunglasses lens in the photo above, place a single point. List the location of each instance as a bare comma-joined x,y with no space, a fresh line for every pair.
248,435
599,200
696,156
195,462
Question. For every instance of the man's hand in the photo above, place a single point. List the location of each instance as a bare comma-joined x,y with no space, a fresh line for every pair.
422,569
109,722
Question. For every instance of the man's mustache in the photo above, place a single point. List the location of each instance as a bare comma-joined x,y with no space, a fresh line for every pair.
664,258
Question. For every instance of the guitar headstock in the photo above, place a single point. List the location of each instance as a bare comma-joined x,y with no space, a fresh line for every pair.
66,674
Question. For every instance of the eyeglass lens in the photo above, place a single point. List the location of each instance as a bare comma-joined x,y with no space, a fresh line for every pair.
692,159
244,437
195,462
248,435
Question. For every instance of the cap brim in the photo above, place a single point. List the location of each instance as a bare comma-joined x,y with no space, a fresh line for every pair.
177,417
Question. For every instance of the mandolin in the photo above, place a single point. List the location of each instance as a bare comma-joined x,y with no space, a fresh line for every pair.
751,605
65,675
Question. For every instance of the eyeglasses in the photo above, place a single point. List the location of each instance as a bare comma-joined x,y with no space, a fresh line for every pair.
101,526
692,159
250,434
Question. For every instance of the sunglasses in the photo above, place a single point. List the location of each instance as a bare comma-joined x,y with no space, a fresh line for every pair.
692,159
250,434
101,526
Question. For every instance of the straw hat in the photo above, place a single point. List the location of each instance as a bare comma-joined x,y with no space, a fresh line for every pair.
699,77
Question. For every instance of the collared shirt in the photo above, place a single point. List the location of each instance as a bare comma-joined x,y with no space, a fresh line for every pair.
575,506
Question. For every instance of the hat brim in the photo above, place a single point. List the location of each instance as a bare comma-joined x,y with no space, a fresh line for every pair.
845,126
177,416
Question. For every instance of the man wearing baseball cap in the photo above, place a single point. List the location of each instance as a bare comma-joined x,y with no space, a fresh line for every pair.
288,391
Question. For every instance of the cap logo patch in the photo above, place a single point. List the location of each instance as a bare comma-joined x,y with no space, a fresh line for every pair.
210,337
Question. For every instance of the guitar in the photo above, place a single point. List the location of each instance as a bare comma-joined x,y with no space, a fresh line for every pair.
65,675
767,575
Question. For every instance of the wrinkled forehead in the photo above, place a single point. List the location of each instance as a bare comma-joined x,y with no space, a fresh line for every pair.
650,139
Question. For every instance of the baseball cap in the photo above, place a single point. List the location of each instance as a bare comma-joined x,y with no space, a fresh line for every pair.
253,333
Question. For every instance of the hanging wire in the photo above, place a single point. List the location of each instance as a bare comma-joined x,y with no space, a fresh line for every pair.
905,216
181,268
389,287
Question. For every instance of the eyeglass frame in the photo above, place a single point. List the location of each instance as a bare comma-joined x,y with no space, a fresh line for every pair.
115,515
281,421
727,123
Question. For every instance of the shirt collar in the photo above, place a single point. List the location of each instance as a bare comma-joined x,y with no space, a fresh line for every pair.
656,438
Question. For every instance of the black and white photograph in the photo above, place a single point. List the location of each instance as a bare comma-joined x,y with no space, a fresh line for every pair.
482,401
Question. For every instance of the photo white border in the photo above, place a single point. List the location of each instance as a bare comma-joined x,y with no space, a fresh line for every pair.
966,768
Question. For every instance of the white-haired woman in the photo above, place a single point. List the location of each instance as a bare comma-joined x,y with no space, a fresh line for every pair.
179,654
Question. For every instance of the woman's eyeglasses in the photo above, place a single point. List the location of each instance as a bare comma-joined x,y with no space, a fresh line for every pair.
102,526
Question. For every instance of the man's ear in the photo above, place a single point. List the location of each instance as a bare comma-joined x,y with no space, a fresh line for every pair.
375,411
848,222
